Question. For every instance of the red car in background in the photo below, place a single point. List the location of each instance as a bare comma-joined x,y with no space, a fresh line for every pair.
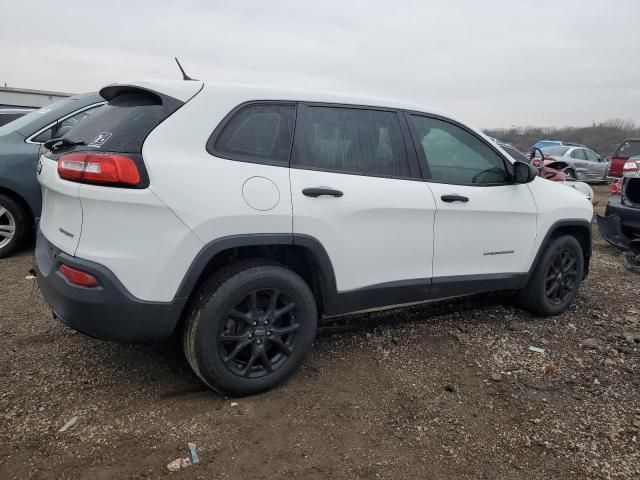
625,161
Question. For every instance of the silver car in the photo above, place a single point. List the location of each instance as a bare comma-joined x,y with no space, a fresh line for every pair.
584,164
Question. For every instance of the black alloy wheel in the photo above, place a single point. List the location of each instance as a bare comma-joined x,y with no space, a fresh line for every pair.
259,334
562,276
250,327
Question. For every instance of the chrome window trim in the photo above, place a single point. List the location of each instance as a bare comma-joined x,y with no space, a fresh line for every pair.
61,119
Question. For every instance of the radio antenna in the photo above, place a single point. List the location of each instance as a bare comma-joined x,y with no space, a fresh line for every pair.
184,74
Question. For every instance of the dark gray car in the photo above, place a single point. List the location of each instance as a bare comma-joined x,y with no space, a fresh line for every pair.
20,142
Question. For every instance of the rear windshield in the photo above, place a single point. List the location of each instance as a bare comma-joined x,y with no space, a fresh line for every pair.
124,122
554,151
628,149
36,115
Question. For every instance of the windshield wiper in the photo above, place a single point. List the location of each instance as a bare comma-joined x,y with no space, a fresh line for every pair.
56,143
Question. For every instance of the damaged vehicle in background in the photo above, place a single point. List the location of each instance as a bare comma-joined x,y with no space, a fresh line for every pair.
620,226
583,164
625,161
550,169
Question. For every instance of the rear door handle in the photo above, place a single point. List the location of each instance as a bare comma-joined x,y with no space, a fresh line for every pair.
316,192
454,198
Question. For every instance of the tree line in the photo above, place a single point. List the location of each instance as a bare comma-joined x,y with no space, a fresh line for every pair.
601,137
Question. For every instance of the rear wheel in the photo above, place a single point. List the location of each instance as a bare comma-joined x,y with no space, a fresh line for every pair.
250,327
556,279
14,223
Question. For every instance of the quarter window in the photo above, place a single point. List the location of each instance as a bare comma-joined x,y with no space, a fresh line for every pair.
261,133
453,155
350,140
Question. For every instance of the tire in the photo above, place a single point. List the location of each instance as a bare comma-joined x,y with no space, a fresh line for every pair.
225,339
571,174
563,255
14,224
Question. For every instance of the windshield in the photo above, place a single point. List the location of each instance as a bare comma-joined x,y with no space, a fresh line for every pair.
628,149
554,151
25,120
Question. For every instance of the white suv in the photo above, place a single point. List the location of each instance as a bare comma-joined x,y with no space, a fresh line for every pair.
238,215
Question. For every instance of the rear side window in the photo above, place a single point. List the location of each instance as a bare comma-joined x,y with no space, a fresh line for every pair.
454,155
350,140
122,125
260,133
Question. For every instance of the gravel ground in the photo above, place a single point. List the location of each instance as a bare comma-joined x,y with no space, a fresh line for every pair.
439,391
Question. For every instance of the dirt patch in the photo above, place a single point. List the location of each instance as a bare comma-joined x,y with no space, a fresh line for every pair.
438,391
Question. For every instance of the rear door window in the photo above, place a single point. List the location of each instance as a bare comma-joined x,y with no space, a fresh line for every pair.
122,125
350,140
259,133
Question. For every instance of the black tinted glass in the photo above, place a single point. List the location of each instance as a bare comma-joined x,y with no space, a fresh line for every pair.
350,140
258,133
124,122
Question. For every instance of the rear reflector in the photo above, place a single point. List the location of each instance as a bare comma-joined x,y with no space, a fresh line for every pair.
78,277
89,167
630,166
616,188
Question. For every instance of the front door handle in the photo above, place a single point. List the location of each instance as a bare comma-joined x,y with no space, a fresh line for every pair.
316,192
454,198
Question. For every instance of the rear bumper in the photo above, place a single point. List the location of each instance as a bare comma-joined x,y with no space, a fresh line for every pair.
629,216
107,311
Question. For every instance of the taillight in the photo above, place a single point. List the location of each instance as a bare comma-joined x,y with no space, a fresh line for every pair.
90,167
78,277
616,188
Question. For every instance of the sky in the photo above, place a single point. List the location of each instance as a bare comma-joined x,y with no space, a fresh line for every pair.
495,63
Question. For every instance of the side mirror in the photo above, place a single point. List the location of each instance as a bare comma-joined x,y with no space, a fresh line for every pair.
524,172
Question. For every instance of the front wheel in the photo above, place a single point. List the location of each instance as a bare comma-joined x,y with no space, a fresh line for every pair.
554,284
571,174
250,327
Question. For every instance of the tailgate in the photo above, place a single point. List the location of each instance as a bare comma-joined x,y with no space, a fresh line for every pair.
61,218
